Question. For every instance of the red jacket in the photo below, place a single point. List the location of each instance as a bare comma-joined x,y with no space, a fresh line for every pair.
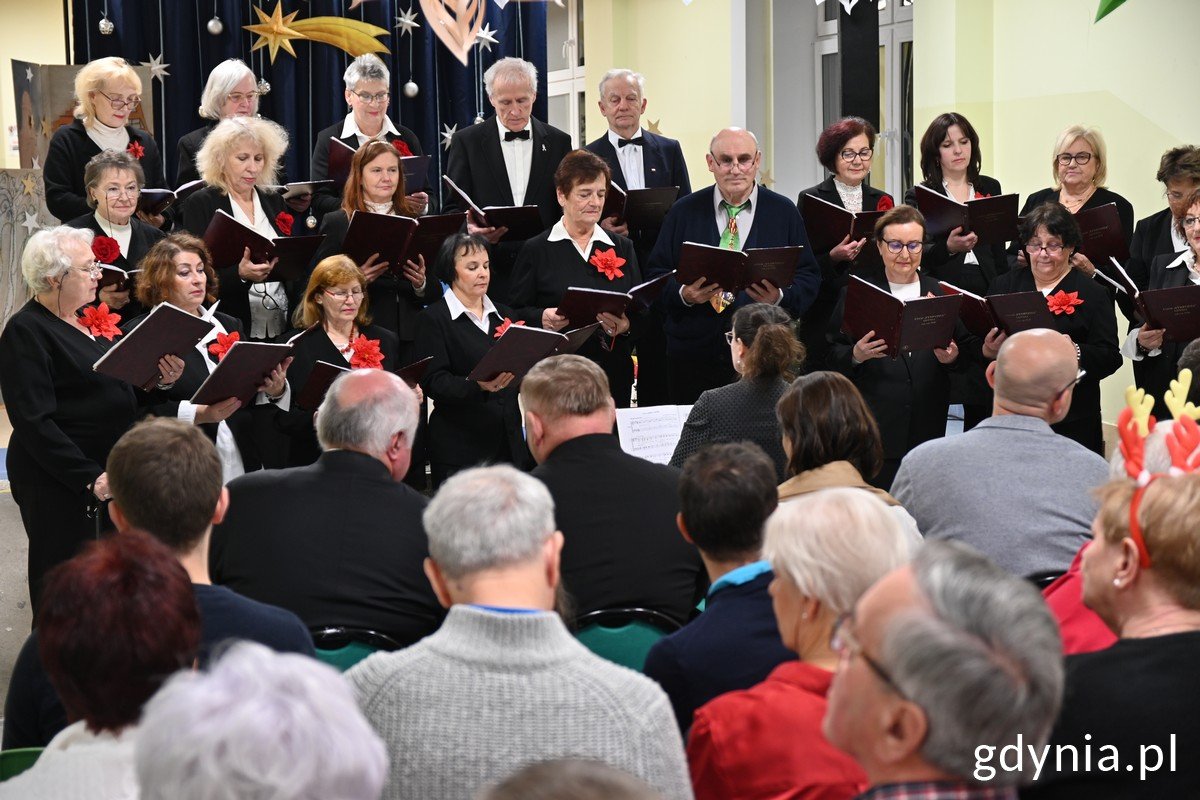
1082,631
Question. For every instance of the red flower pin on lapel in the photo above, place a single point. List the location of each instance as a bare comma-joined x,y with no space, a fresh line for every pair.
607,263
1063,302
224,341
100,322
283,222
105,249
401,147
885,203
503,327
367,354
135,149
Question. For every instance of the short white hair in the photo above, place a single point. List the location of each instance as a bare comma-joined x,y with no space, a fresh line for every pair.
369,67
488,517
221,80
45,255
636,78
257,725
833,544
508,69
376,415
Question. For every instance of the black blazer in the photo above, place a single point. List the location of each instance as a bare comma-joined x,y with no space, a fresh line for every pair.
1100,197
940,263
545,270
1154,374
70,150
1151,238
468,426
394,303
297,422
743,411
234,293
165,402
142,237
337,543
187,147
617,514
326,198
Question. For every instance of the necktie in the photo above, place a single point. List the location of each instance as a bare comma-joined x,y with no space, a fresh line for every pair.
730,238
638,140
510,135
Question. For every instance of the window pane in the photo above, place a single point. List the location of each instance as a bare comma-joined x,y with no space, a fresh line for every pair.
557,32
906,115
559,110
831,86
830,10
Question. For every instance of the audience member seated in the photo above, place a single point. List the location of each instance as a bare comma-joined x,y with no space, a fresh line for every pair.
115,621
726,493
570,779
616,511
258,725
338,542
503,683
765,742
1030,526
1141,575
942,663
831,440
764,352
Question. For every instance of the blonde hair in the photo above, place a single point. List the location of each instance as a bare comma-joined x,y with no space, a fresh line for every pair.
227,135
1099,152
330,272
94,75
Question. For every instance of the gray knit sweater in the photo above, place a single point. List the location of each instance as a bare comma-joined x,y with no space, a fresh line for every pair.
491,692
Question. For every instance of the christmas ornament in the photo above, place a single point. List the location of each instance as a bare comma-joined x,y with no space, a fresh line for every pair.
456,23
106,27
411,89
263,87
215,26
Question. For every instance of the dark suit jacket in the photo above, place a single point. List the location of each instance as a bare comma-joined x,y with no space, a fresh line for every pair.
697,332
743,411
733,645
815,321
234,293
1151,237
337,543
142,237
1155,374
70,150
617,514
188,146
326,198
662,165
1100,197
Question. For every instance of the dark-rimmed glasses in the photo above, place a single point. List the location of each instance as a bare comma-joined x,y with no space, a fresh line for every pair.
371,99
120,105
1065,159
895,246
865,155
1078,378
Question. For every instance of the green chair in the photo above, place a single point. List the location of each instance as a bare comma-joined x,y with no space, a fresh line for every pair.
623,635
342,648
14,762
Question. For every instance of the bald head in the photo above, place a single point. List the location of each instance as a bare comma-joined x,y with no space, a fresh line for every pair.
364,409
733,159
1030,372
738,138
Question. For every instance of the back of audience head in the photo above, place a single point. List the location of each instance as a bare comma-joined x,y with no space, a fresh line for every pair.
1190,359
258,725
943,662
570,779
370,411
115,622
726,493
823,418
564,397
165,478
764,343
1033,374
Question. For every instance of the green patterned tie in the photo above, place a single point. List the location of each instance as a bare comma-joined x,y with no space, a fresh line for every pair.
731,239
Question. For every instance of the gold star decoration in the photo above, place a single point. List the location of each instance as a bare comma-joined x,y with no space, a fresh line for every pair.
765,179
46,131
30,185
273,31
276,31
652,125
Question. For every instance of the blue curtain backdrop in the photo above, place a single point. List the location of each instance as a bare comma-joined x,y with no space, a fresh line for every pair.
306,91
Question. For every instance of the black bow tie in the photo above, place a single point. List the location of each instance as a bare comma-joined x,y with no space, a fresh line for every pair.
638,140
510,135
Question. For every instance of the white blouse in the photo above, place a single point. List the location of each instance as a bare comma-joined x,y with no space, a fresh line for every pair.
268,301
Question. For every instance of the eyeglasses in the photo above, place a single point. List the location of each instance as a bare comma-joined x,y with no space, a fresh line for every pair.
895,246
93,270
729,337
120,105
1078,378
844,643
340,296
1174,197
238,97
1052,249
129,191
371,99
864,155
1065,159
1190,222
727,163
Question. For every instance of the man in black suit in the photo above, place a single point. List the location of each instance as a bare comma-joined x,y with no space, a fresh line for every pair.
509,159
616,511
725,496
339,542
639,159
735,212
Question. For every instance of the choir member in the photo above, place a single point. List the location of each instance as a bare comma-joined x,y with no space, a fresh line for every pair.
231,91
1159,233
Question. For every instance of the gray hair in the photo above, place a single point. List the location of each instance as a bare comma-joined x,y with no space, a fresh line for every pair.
105,160
45,255
835,543
984,661
221,80
258,724
220,143
369,67
357,415
507,69
488,517
1156,457
636,77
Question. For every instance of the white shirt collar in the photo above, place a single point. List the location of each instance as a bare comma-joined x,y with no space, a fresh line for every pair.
614,138
351,127
457,309
504,130
1187,259
718,198
559,232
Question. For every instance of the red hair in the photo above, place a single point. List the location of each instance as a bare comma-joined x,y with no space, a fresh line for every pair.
834,138
353,198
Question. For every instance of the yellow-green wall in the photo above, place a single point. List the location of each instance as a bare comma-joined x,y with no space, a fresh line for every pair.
31,30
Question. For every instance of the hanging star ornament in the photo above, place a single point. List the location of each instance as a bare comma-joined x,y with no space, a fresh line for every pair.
157,68
273,31
448,132
486,38
30,185
407,21
28,74
30,223
36,164
47,128
456,23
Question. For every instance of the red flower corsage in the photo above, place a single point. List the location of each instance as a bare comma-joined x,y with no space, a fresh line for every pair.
106,249
135,149
1063,302
980,196
100,322
366,354
607,263
504,326
401,147
885,203
283,223
224,341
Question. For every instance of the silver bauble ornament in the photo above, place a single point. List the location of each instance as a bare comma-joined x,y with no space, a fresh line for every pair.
478,118
215,26
411,89
106,27
263,87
